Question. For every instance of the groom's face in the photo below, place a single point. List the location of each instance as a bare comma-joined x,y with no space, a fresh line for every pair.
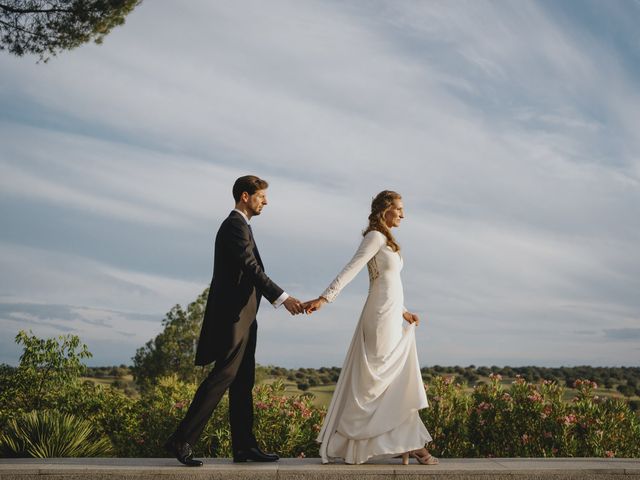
257,201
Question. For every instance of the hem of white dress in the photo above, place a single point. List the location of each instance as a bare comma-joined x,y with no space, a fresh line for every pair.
384,446
381,456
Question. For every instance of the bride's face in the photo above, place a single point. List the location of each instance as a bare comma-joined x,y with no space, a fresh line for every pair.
395,214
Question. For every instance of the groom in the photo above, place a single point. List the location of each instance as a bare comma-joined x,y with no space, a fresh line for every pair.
228,335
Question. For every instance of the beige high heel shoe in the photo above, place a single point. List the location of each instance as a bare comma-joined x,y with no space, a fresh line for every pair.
427,459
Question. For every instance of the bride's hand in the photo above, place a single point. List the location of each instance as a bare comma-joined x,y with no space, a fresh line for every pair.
313,305
411,318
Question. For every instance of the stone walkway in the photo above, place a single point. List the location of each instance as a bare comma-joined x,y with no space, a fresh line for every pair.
312,469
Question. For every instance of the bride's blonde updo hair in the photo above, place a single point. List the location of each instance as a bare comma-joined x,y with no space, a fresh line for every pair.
379,206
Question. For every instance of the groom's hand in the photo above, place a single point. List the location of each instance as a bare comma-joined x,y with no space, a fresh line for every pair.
293,305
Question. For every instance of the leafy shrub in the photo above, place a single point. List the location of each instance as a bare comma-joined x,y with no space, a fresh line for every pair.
285,424
446,417
528,420
49,433
521,419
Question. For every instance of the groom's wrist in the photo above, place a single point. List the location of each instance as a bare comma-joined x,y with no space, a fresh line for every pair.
280,300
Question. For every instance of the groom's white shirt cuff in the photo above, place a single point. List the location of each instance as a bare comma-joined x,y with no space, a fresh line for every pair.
280,300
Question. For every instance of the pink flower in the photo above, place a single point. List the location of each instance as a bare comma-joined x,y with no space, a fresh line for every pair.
301,455
609,454
569,419
519,380
506,397
179,404
535,397
525,438
484,406
588,384
261,406
495,376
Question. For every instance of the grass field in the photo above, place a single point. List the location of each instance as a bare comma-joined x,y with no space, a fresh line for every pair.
125,383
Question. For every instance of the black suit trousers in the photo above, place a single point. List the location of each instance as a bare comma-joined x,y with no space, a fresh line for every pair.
237,373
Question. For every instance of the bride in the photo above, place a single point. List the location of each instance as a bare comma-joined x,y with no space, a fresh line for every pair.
374,409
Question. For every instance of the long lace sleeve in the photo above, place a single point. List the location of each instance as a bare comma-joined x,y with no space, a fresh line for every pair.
371,244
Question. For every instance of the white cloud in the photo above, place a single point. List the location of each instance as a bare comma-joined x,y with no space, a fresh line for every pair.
41,276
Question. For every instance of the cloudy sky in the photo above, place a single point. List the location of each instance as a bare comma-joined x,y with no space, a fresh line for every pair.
510,128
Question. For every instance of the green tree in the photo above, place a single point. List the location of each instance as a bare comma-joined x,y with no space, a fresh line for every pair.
46,366
173,350
47,27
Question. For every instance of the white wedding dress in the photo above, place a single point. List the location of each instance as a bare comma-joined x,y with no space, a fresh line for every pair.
374,409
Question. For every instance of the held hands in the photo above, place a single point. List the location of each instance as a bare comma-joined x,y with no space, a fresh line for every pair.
293,305
411,318
313,305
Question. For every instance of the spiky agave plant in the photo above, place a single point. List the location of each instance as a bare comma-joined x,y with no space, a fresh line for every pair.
49,433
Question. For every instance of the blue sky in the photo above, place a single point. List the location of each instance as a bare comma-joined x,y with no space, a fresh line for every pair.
508,127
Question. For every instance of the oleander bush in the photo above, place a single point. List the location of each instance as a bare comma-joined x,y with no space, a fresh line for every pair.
528,420
447,417
138,428
285,423
522,419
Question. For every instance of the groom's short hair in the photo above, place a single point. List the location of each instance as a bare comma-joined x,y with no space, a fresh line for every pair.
250,184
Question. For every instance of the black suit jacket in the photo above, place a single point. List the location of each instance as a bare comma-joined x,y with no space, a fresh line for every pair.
238,284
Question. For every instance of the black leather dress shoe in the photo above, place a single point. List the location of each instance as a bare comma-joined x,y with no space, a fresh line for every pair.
255,455
182,451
